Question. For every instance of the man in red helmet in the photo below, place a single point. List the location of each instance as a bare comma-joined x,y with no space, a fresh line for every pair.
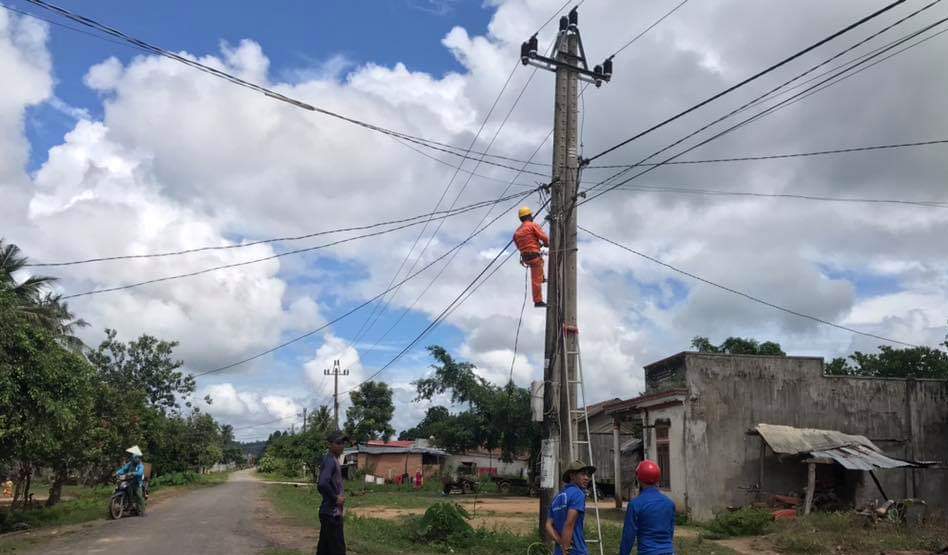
650,517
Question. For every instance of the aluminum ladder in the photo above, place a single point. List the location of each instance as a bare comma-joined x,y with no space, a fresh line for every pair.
575,443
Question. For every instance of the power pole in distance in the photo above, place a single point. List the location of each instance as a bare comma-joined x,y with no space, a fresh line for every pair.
335,373
568,61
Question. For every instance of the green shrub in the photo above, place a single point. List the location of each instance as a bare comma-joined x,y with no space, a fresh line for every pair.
445,523
175,479
267,464
742,522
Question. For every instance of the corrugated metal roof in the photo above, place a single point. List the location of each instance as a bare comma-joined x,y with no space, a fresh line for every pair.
630,447
378,450
788,440
858,457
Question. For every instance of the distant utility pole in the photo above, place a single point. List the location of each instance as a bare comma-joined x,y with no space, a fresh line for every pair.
568,61
304,420
335,373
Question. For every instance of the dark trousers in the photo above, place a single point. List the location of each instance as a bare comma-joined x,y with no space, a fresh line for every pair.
332,540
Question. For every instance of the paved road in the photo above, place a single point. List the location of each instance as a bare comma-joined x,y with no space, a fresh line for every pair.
209,521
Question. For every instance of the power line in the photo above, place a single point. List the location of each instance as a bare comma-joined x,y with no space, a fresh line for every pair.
360,306
746,295
776,156
256,260
456,302
783,104
747,80
649,28
712,192
158,51
771,92
444,213
64,26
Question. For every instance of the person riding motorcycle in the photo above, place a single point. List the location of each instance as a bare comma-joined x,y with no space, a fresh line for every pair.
135,471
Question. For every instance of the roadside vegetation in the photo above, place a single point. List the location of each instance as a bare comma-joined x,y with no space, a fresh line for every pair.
442,527
69,411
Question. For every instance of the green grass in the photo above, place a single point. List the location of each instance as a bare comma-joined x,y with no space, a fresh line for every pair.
742,522
845,533
370,536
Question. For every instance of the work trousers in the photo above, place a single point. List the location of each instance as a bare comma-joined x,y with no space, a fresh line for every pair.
536,277
332,540
138,498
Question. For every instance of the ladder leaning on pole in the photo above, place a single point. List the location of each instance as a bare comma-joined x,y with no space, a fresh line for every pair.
583,414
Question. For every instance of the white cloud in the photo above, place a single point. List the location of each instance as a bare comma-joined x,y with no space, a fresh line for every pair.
182,160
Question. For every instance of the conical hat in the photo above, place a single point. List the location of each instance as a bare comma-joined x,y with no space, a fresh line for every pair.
134,450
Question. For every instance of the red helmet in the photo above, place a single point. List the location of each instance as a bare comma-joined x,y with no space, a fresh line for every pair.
648,473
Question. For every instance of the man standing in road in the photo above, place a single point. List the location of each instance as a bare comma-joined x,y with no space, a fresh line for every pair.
332,540
650,517
568,511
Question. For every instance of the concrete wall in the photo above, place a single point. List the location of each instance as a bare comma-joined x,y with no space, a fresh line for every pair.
730,394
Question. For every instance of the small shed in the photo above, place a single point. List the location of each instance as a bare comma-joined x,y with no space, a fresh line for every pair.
823,447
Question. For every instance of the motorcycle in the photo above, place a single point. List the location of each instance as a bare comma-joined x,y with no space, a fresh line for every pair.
122,502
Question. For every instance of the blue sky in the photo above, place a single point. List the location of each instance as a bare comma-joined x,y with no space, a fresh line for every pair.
865,266
296,35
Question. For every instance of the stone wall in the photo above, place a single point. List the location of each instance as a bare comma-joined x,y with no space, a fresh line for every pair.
728,395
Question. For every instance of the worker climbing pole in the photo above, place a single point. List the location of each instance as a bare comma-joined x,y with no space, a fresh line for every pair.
561,362
530,240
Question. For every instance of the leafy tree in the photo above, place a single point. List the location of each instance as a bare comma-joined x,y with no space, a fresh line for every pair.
738,346
425,429
911,362
497,417
370,415
145,364
48,396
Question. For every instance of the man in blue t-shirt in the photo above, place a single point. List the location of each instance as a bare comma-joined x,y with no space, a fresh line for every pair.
650,517
567,512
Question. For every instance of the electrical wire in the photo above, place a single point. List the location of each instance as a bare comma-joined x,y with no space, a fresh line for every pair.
746,81
845,74
711,192
64,26
784,85
158,51
445,213
449,308
778,156
745,295
254,261
355,309
649,28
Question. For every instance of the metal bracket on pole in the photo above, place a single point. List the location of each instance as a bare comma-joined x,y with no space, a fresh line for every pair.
568,26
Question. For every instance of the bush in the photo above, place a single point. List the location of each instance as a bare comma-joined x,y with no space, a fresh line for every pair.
445,523
175,479
742,522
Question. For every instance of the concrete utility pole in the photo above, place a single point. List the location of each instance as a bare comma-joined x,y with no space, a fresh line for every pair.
335,373
304,420
558,428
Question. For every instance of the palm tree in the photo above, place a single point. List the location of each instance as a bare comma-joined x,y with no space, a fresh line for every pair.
34,300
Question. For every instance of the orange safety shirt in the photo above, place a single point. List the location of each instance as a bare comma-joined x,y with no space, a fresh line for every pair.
529,237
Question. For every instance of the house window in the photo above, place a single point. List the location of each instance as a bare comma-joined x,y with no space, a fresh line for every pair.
662,451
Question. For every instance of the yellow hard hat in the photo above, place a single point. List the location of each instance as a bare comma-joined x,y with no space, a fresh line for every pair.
524,211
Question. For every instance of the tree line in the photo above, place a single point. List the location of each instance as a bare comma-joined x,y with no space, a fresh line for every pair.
69,411
889,362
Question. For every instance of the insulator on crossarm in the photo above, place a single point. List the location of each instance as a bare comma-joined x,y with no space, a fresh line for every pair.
574,17
598,71
524,53
534,44
564,23
607,68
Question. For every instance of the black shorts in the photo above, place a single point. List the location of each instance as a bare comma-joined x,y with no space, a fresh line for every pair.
332,539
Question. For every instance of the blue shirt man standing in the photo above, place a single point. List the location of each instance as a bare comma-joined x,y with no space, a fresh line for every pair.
568,511
650,517
332,539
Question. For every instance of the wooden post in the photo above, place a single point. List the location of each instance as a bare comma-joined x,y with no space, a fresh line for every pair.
760,472
810,486
617,461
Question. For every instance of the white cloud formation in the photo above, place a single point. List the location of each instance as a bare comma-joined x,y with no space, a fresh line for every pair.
182,160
